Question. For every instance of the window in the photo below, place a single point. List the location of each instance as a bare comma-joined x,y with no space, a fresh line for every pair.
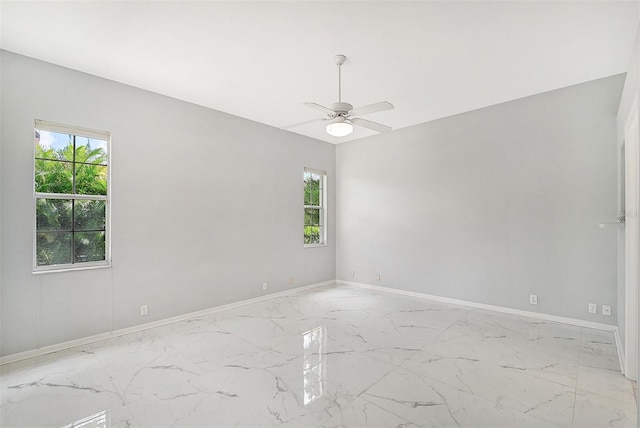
71,197
315,201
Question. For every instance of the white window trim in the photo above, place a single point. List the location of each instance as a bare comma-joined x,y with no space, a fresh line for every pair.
82,132
323,208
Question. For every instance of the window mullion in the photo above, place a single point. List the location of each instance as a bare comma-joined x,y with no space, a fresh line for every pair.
73,168
73,204
73,231
40,195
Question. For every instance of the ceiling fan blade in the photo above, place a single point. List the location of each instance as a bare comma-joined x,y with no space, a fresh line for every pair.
371,125
372,108
319,107
320,119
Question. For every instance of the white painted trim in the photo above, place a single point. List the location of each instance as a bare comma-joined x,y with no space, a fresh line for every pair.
620,349
315,171
632,208
66,129
536,315
140,327
66,267
134,329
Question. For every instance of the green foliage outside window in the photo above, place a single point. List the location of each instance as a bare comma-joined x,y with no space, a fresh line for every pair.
55,170
311,234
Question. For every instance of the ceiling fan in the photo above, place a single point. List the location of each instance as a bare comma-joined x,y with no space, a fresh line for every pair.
341,115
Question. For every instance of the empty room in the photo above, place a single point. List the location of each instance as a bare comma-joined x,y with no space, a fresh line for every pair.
319,213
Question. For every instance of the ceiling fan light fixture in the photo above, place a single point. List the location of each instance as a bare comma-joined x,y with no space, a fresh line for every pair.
339,129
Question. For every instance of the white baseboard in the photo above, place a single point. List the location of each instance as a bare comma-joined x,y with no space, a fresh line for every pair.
537,315
121,332
140,327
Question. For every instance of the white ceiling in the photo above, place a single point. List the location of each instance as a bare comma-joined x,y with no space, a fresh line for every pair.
262,60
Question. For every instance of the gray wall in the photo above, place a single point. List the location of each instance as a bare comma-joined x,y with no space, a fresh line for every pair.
629,92
487,206
491,205
205,207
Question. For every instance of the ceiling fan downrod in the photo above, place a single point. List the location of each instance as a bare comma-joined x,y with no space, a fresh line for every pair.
339,60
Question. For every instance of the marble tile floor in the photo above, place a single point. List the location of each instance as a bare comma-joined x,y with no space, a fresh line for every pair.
334,356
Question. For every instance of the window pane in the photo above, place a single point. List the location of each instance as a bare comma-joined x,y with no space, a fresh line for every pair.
311,189
89,215
311,216
53,248
91,179
53,214
53,177
91,150
52,145
311,234
89,247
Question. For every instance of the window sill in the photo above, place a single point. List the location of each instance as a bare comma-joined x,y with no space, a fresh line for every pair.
315,245
67,268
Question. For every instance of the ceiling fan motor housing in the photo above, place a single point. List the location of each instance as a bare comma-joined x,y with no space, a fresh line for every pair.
341,109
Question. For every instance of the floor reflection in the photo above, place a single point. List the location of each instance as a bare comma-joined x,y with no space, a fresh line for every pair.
98,420
314,366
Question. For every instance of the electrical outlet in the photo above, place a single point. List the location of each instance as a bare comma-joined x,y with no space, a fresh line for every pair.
378,277
265,285
606,310
290,280
533,299
353,273
593,308
143,310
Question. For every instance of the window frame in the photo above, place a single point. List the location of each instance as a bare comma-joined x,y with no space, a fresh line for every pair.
41,125
322,207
